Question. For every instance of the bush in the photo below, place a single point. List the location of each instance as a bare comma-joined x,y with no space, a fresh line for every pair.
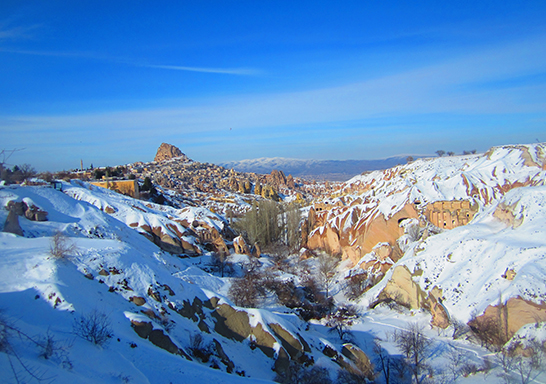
93,327
298,374
247,291
340,321
356,285
61,247
286,291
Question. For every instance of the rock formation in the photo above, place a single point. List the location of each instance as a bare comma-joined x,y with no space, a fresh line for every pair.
167,152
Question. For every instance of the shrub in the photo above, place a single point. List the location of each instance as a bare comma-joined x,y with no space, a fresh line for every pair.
61,247
248,290
356,285
93,327
340,321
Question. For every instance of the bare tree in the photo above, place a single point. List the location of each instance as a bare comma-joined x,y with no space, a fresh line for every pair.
248,290
440,152
326,269
383,361
340,321
451,153
520,368
415,346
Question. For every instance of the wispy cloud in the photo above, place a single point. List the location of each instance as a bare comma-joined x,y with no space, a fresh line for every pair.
8,32
452,87
227,71
90,55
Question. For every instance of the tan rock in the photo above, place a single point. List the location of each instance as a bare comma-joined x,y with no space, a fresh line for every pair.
167,152
514,314
291,344
240,246
440,316
359,359
509,274
383,251
505,213
403,289
140,301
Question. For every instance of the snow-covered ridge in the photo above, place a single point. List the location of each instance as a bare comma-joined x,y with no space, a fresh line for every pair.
469,263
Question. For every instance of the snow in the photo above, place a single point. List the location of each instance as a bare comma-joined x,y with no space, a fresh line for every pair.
113,262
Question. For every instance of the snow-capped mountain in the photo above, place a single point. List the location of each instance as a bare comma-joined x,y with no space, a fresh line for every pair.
332,170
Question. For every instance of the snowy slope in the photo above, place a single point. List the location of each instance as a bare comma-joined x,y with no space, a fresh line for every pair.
116,272
468,262
40,294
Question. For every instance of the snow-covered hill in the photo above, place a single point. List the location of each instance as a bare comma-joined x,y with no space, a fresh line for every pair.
498,257
168,317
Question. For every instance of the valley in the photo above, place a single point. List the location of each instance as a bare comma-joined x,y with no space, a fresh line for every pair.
431,271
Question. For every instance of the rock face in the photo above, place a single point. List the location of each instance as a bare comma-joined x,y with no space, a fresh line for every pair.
167,152
12,224
450,214
359,359
235,324
240,246
511,316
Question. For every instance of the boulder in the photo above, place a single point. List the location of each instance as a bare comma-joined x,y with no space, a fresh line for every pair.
137,300
12,224
35,214
290,343
359,359
18,207
231,323
256,251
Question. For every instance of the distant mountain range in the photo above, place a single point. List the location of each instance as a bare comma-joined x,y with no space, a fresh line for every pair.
332,170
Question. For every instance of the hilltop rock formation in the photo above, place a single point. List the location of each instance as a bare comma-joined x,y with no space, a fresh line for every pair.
167,152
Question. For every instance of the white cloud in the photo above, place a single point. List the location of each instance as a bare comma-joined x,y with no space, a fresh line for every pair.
227,71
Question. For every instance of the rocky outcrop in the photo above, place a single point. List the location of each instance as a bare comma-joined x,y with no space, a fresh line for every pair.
450,214
12,224
402,289
360,360
357,238
157,337
167,152
509,317
505,213
235,324
240,246
31,212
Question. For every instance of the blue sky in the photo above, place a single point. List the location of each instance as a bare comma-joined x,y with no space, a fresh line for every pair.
109,81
